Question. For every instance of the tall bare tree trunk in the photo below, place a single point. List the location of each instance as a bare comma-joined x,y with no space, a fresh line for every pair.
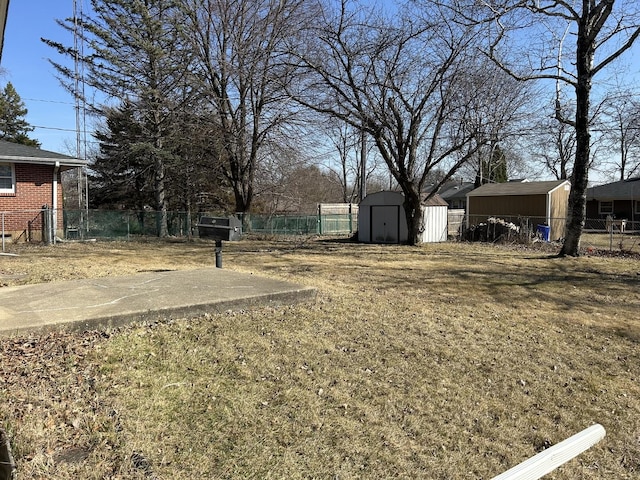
578,196
413,210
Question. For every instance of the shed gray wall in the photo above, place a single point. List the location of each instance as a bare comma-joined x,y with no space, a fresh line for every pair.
364,224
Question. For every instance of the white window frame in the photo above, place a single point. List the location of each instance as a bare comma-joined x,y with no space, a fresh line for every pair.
12,189
602,211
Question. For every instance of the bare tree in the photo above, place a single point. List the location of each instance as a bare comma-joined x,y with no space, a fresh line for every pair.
498,105
603,30
345,140
271,191
622,129
403,81
238,47
347,143
555,145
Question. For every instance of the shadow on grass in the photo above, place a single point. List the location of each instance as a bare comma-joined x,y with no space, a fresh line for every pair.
549,283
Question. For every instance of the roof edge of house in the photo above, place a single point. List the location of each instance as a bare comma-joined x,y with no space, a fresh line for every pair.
61,161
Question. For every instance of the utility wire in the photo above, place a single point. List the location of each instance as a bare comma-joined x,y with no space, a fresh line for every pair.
47,101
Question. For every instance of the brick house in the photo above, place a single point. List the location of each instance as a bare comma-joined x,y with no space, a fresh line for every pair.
30,186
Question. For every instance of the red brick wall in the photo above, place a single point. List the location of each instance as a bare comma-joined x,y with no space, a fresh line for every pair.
34,184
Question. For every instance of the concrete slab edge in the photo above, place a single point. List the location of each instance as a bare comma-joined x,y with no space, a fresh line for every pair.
297,296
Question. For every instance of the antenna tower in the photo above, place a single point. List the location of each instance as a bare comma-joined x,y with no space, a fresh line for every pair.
78,93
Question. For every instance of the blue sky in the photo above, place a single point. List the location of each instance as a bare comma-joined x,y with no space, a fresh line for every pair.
24,60
50,108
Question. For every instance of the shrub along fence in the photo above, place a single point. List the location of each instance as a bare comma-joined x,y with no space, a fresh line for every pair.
599,234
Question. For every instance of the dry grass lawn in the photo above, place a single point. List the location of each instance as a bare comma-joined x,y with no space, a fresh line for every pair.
444,361
627,242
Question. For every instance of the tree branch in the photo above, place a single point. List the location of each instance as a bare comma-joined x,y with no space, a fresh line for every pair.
627,45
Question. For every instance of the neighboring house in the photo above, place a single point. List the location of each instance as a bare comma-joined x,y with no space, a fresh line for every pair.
455,194
618,200
29,184
381,219
544,203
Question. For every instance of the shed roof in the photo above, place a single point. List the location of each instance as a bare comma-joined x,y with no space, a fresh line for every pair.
384,197
458,190
16,153
516,188
621,190
434,201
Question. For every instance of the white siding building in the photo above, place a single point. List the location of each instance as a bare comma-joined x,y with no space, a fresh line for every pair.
381,219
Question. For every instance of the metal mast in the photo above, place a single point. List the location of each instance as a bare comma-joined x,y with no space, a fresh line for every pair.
78,48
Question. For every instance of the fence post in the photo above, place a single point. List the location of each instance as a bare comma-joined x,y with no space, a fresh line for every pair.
46,225
3,231
350,217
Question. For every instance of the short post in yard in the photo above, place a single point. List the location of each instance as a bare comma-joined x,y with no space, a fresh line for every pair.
7,463
218,253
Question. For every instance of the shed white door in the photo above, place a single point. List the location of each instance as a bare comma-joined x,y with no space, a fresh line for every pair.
385,224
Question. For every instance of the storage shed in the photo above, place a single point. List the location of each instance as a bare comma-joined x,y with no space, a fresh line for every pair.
540,202
381,219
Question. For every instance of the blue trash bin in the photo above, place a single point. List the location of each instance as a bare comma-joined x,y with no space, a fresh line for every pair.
544,231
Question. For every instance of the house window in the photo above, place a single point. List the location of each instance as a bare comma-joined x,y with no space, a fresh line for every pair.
637,207
606,208
7,178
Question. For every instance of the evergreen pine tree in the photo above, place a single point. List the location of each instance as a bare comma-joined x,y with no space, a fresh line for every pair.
13,125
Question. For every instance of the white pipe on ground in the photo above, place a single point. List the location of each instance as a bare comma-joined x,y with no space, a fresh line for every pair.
551,458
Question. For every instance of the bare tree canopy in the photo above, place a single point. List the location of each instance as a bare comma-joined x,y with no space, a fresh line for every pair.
621,127
404,81
208,67
240,69
569,43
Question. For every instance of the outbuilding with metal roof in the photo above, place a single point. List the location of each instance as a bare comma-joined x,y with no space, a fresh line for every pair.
381,219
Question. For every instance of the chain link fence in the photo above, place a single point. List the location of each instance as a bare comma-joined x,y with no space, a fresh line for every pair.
38,225
47,225
26,225
598,234
116,224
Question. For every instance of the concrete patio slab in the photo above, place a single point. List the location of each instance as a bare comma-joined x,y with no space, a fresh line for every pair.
113,301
